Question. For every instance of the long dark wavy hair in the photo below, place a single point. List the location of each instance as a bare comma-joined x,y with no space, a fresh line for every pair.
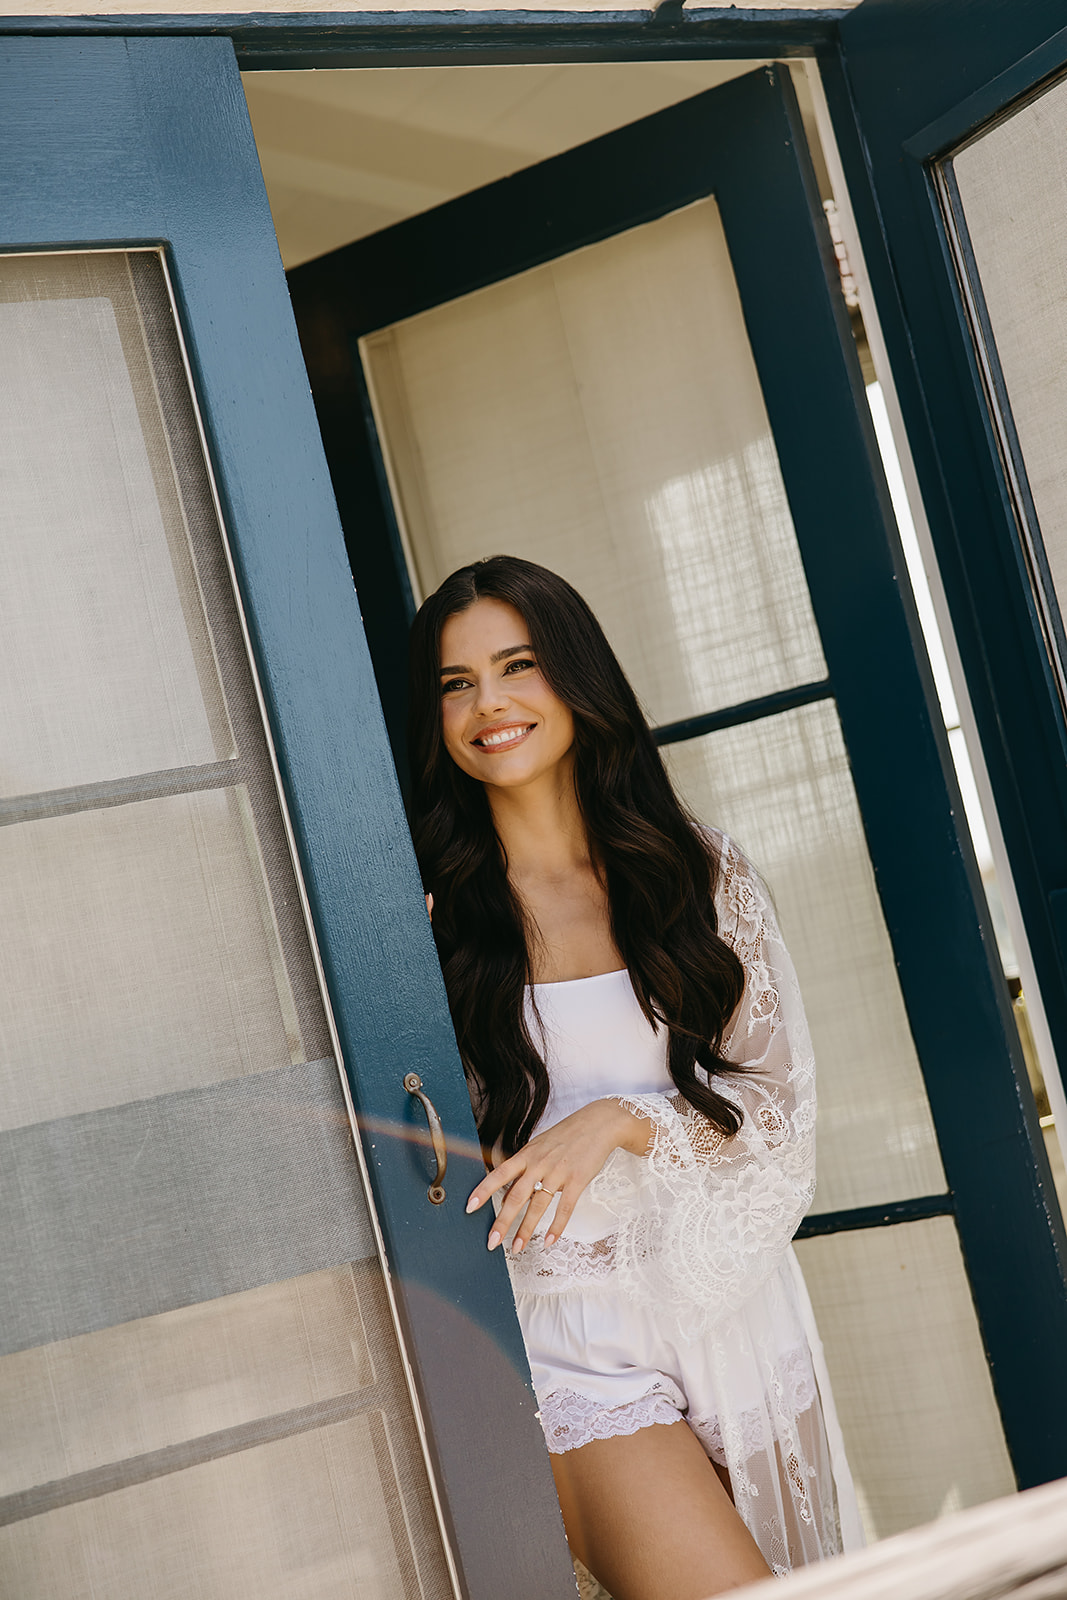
658,868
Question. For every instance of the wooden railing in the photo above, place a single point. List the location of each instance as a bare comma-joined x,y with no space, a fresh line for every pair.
1014,1549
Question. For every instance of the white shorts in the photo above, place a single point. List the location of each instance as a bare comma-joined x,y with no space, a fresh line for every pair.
602,1366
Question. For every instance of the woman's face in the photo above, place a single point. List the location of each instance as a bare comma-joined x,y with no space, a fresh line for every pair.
502,723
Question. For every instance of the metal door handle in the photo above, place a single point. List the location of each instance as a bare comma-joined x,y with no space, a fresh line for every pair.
413,1084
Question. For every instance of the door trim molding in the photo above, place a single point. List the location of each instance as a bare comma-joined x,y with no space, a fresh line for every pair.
293,40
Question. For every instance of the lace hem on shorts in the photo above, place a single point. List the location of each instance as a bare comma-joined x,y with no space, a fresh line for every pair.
746,1431
571,1419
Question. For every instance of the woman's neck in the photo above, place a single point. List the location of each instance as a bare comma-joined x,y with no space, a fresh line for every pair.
541,827
550,868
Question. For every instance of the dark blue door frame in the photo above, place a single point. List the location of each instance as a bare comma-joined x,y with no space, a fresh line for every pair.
904,93
744,143
505,37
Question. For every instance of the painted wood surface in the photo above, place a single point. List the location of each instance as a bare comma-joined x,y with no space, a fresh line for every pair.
1010,1548
398,8
302,37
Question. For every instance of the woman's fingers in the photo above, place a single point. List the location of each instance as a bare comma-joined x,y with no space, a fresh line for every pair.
507,1172
538,1203
520,1198
565,1159
564,1212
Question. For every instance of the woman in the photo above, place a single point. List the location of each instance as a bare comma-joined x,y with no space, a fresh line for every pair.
642,1077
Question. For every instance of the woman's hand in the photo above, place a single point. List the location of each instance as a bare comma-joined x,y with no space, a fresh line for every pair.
563,1160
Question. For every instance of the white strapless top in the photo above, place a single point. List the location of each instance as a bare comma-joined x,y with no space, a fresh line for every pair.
595,1041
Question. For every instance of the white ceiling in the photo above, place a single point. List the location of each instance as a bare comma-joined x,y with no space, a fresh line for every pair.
346,153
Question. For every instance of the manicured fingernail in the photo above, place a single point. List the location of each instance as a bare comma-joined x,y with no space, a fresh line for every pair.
494,1239
518,1247
550,1239
472,1204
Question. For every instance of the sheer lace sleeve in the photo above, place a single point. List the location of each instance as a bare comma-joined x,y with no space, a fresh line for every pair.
703,1220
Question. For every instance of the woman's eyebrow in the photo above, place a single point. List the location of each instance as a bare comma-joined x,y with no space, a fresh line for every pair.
498,655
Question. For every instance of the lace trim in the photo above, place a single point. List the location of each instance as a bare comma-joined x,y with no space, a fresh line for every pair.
701,1221
792,1392
588,1587
571,1419
566,1263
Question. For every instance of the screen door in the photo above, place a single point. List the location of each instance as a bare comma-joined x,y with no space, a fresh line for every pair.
200,1379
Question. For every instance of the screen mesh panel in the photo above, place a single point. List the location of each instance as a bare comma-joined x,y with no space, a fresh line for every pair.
80,896
1010,182
201,1391
305,1517
81,1404
602,415
127,683
782,788
908,1371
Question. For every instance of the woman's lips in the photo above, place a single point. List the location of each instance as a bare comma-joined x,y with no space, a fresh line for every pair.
494,739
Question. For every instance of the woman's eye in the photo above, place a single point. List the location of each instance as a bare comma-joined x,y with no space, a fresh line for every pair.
520,664
452,684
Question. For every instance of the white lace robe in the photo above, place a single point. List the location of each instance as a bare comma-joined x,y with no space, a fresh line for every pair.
697,1236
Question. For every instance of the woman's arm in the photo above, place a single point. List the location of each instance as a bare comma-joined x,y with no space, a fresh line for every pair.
704,1219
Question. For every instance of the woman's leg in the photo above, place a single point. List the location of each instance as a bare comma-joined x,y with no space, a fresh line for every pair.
648,1516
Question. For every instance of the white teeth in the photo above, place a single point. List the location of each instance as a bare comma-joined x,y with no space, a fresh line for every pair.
506,736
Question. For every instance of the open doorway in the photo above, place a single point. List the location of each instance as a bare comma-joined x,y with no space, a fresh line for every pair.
348,155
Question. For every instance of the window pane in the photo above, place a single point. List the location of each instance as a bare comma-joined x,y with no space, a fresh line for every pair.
106,1397
104,652
602,415
782,788
309,1517
139,956
1010,181
909,1374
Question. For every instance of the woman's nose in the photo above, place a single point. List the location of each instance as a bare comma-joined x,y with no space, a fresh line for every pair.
490,697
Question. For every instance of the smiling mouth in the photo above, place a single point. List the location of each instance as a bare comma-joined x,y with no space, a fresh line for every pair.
503,738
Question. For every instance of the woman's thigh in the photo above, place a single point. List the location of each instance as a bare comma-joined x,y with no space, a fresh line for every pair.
647,1514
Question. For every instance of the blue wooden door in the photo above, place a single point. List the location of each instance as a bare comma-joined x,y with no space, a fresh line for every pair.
408,312
244,1356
